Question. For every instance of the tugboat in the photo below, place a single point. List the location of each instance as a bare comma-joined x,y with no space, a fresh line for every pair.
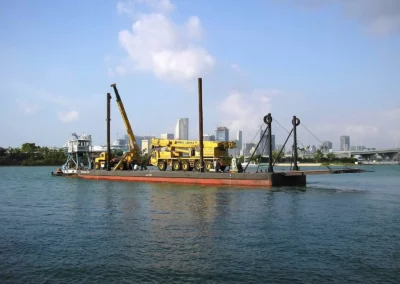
57,172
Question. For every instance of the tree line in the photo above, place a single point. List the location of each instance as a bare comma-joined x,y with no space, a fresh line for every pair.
31,155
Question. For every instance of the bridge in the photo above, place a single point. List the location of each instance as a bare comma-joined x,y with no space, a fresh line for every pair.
391,154
386,154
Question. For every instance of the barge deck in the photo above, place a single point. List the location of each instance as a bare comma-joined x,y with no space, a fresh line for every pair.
261,179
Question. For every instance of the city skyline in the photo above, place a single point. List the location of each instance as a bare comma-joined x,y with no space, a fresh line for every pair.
56,85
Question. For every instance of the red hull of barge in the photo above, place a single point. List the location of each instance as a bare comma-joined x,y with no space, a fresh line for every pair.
191,180
192,177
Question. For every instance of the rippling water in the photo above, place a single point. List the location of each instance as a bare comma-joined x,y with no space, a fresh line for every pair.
340,229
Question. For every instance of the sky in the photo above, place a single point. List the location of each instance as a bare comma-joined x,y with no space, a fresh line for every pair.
332,63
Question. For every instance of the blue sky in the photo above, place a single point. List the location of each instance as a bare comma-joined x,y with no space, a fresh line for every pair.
333,63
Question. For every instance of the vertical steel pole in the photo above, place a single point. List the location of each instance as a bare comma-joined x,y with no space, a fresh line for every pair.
269,123
108,132
200,85
295,123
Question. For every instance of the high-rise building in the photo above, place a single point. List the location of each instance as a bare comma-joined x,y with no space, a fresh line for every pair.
222,134
167,136
182,129
247,148
263,148
239,140
208,137
326,146
139,141
344,143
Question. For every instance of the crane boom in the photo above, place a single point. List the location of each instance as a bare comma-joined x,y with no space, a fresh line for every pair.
132,140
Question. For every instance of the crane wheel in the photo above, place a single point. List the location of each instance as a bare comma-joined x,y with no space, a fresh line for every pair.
176,166
209,165
185,166
162,166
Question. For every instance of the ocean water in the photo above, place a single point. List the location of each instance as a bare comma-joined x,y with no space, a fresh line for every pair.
339,229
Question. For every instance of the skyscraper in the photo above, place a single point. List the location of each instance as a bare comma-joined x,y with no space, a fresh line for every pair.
222,134
239,141
182,129
344,143
327,145
263,148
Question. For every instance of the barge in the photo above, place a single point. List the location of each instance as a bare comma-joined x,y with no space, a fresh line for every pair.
263,179
258,179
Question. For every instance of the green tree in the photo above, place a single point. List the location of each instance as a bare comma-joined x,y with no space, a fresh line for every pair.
256,158
331,157
318,155
28,147
276,156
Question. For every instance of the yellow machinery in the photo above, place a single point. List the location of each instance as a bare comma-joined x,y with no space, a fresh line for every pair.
130,157
133,154
185,154
100,161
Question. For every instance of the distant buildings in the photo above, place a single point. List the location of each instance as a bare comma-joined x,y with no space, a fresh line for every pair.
263,148
167,136
344,143
145,143
182,129
222,134
239,140
126,138
248,148
326,146
208,137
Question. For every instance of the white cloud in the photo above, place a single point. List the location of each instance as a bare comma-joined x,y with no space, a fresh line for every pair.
245,111
28,108
392,114
125,7
381,17
236,68
130,6
121,70
193,27
54,99
68,116
158,45
360,129
375,128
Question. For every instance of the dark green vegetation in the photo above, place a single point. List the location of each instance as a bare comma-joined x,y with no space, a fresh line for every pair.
31,155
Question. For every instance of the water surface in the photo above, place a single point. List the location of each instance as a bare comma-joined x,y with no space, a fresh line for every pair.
339,229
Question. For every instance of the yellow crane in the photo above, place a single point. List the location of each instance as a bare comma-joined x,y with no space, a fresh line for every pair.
134,152
185,154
